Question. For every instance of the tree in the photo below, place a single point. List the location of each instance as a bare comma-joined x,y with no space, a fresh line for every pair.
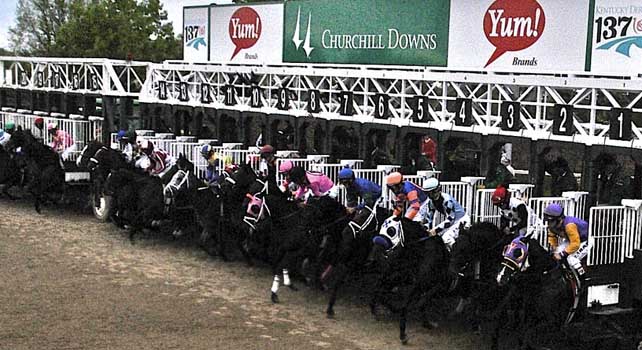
118,29
37,23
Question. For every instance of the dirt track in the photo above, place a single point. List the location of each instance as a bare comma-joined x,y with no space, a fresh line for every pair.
69,282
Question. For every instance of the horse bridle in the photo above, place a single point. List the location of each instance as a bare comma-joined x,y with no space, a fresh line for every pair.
356,228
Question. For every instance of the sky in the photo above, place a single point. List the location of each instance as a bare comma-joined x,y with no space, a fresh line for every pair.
173,7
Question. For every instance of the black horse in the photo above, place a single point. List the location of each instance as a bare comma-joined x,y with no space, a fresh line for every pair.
10,172
44,174
351,250
138,197
541,290
101,160
414,268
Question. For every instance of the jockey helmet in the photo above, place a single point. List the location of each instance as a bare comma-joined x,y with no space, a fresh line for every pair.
394,178
297,174
205,150
554,210
121,135
430,184
39,122
382,241
500,195
52,126
231,168
9,125
146,146
265,150
286,167
346,174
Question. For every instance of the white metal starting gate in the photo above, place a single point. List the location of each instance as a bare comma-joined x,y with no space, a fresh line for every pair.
615,232
81,131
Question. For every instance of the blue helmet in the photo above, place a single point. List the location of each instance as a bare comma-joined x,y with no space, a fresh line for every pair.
205,150
554,210
121,134
346,174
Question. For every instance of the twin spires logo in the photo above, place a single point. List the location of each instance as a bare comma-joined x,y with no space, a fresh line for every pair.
296,38
513,25
194,36
245,29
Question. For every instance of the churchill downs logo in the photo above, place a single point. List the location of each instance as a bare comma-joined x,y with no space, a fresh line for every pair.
618,28
514,26
195,36
393,39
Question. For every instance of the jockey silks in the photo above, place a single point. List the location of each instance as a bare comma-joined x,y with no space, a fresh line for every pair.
365,189
412,193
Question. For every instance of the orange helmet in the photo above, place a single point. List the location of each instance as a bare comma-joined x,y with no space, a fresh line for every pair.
394,178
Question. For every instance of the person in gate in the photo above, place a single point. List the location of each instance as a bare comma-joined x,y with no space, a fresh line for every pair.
39,130
61,141
284,170
9,127
405,191
514,212
445,204
128,146
267,166
358,188
311,183
567,237
156,162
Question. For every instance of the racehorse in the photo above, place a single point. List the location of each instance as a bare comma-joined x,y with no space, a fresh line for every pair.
100,160
139,199
473,267
44,174
540,287
352,249
10,172
414,267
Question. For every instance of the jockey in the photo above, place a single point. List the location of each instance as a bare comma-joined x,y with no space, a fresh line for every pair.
567,237
61,142
39,132
284,169
317,183
158,161
267,166
405,191
214,163
356,188
514,211
445,204
9,127
127,141
4,137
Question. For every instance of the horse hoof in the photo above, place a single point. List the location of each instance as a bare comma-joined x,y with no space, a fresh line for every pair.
404,340
430,324
275,298
293,287
330,314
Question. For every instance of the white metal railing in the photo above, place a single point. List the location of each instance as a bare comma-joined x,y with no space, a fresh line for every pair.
81,131
615,232
305,163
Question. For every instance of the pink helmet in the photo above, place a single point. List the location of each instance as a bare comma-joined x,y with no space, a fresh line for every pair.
286,166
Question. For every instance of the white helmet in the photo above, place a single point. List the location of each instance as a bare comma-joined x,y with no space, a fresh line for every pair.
430,184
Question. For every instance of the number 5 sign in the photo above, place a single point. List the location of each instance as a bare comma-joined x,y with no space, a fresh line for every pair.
620,124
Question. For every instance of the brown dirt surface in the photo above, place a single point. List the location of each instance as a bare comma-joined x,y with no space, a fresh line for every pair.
70,282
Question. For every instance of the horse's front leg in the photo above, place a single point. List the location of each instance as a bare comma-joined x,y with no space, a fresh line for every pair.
341,272
276,265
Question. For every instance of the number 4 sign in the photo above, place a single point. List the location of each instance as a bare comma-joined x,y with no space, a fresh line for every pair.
620,124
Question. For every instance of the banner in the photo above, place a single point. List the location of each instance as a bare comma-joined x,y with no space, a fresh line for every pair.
617,37
195,34
246,34
400,32
518,36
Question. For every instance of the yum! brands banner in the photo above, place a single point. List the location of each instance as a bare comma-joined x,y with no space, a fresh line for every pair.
519,35
195,34
399,32
246,34
617,37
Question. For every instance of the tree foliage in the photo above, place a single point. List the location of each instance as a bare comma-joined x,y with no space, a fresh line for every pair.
118,29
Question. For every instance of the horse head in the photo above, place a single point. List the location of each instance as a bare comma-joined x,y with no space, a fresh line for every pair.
395,233
522,254
184,164
239,181
90,155
480,241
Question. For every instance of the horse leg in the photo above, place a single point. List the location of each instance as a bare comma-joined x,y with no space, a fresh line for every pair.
277,279
246,254
221,244
341,273
287,261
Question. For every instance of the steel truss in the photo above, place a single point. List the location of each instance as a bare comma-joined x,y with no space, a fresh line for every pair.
73,75
572,108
